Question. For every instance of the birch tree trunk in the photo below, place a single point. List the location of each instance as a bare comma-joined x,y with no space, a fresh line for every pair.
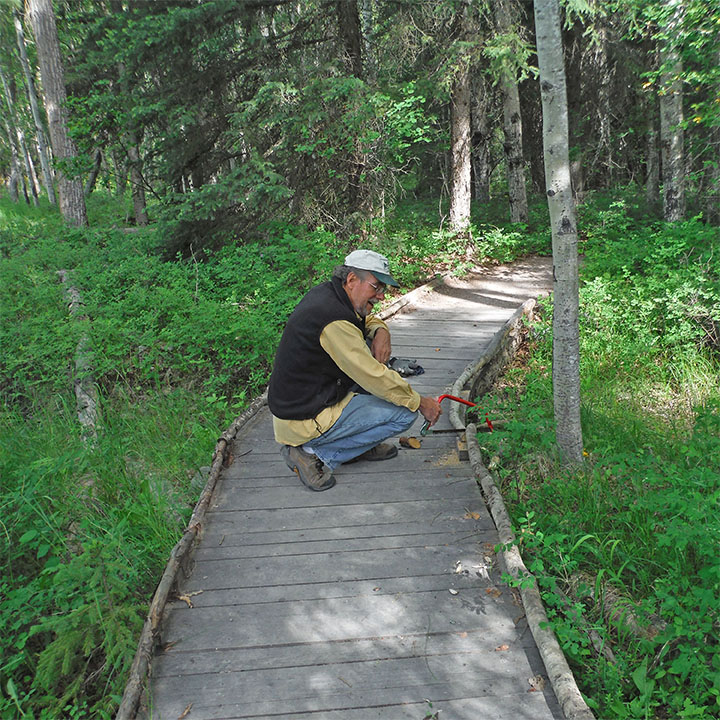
512,124
460,153
35,108
671,119
368,24
70,190
29,167
16,147
566,334
13,180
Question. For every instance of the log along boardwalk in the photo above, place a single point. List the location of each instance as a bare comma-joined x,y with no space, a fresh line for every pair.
380,598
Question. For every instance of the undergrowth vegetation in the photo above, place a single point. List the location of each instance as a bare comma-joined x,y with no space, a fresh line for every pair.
179,347
626,548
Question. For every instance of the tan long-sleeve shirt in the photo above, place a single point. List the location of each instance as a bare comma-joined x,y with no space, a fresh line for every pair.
345,344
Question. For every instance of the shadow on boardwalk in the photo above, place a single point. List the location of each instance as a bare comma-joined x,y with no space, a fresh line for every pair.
381,598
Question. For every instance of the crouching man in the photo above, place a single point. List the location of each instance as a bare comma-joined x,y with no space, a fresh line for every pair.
332,397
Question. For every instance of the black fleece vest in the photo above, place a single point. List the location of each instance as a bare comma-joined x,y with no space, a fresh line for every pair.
305,380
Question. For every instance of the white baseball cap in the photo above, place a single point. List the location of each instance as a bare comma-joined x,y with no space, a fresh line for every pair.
376,263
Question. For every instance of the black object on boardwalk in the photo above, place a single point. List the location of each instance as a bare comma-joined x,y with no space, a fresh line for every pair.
380,598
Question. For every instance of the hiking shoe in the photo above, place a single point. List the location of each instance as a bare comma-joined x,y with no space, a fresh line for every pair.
309,468
383,451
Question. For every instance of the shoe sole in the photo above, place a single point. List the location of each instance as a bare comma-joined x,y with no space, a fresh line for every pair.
331,482
373,459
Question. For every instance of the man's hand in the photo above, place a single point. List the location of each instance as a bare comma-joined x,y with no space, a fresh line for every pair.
381,347
430,409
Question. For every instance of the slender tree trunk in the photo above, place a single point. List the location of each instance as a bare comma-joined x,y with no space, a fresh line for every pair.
368,24
349,23
671,119
712,200
603,151
92,177
481,135
460,153
70,190
566,335
29,168
512,123
16,147
136,181
35,108
652,179
13,180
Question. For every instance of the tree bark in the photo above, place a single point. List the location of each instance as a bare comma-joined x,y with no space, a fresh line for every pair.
460,153
671,119
349,22
367,31
652,178
566,334
92,177
712,201
35,108
29,167
16,147
70,190
13,180
512,124
480,141
136,181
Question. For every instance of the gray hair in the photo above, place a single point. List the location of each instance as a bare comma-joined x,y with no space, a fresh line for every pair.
342,271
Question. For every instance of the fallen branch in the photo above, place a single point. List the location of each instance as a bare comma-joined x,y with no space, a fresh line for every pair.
617,609
563,682
84,382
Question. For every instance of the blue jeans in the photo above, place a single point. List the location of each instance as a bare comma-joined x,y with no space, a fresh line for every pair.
365,421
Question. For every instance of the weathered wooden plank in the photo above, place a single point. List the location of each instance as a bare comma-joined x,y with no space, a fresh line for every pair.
334,565
343,619
379,585
175,661
323,689
289,542
423,511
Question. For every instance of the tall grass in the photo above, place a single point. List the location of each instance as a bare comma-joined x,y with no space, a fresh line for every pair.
639,525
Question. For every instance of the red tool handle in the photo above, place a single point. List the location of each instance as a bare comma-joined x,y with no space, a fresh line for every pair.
465,402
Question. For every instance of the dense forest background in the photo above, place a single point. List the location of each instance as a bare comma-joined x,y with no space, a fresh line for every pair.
178,172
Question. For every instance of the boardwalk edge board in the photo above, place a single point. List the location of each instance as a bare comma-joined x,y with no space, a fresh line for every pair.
149,635
479,377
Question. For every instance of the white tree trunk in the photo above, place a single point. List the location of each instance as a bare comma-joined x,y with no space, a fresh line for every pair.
460,153
512,124
35,108
70,190
13,180
671,119
566,335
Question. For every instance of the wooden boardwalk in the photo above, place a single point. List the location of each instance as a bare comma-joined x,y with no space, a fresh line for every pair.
380,598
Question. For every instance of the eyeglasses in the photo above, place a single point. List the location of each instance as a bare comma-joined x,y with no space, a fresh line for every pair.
379,289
